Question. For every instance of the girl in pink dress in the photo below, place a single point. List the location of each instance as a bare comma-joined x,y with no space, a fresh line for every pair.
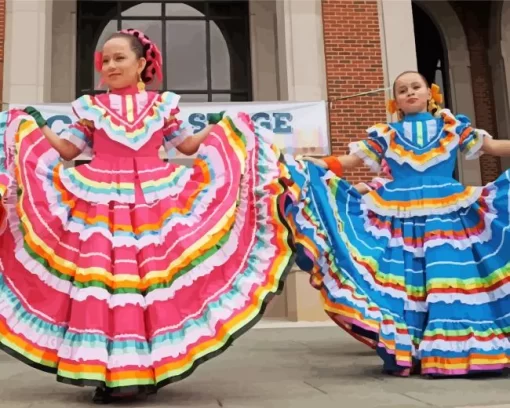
128,272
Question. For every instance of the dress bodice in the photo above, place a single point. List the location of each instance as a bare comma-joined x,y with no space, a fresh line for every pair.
105,147
125,131
421,151
421,136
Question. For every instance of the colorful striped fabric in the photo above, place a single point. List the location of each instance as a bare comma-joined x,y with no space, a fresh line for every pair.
383,178
418,269
130,120
130,272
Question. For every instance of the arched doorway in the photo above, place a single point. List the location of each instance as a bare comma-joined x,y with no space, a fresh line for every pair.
205,44
431,55
456,67
499,59
430,51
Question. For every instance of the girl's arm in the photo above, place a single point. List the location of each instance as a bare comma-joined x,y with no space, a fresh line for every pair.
66,149
362,188
190,145
494,147
369,151
347,162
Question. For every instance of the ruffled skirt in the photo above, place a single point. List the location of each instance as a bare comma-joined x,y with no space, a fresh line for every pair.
131,294
428,290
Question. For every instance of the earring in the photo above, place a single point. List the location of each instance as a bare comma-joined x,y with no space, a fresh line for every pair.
141,84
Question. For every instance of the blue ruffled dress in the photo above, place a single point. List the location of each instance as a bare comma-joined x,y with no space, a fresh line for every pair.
419,268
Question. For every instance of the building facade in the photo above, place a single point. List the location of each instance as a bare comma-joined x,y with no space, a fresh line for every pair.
268,50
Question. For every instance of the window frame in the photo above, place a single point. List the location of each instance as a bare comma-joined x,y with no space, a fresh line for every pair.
85,49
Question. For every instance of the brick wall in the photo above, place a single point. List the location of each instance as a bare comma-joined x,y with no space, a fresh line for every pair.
2,42
353,64
476,18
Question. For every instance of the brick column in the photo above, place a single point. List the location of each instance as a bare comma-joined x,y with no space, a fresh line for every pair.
352,41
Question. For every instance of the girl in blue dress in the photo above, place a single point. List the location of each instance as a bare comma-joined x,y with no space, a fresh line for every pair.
418,268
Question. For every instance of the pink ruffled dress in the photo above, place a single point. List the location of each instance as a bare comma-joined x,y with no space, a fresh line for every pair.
129,272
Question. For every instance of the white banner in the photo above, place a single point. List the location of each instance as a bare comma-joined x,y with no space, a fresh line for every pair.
298,127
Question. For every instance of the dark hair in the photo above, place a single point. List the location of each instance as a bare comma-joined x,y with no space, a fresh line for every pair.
137,47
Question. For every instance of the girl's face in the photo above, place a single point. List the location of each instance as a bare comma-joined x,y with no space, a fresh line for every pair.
121,68
412,93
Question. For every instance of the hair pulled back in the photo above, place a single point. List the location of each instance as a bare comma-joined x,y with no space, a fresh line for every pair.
143,47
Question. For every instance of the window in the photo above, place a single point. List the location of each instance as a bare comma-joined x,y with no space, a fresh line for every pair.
205,44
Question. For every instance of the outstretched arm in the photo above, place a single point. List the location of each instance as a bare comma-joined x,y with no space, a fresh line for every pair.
337,164
66,149
190,145
362,188
369,151
494,147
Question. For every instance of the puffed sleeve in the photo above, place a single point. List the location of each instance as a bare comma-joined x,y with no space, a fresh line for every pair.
175,131
470,138
372,149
